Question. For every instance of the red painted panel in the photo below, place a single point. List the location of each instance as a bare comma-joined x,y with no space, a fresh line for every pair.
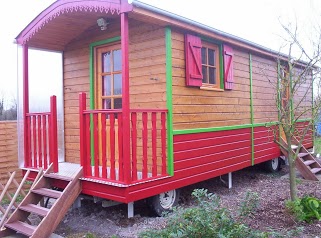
197,143
206,135
211,150
112,146
163,135
145,134
120,148
134,145
104,145
154,144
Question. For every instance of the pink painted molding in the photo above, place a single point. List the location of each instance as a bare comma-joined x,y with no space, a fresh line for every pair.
61,7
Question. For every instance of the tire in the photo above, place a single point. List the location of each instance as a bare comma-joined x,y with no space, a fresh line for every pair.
272,166
164,202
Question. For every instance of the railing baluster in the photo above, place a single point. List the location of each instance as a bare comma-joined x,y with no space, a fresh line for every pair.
104,144
44,138
145,137
96,142
112,146
163,141
34,132
120,147
29,141
134,145
154,144
39,140
88,144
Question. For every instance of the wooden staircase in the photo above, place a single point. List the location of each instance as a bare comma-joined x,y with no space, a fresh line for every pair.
17,222
305,162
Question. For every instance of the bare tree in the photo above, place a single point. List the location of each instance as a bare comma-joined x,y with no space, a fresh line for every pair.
298,76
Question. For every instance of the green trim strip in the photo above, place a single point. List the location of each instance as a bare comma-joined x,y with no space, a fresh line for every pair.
92,86
252,109
304,120
169,101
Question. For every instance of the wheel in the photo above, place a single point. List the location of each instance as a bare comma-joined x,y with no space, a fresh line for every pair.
273,165
164,202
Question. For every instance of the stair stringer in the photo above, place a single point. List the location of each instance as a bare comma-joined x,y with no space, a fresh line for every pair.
304,169
59,209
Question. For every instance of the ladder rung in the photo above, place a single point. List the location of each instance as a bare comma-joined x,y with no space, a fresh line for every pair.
21,227
41,211
308,162
315,170
47,192
301,155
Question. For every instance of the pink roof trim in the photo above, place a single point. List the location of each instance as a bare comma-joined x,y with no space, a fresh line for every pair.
61,7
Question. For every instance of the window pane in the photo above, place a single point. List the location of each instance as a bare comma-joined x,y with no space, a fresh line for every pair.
106,58
107,85
107,103
203,55
204,72
117,60
212,79
211,57
117,84
117,103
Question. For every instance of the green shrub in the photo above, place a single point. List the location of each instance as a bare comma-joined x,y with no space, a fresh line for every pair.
249,204
305,209
207,219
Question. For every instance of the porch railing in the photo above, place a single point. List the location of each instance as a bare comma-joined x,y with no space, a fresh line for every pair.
101,144
41,138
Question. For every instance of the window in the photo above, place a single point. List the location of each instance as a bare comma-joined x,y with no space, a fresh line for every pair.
210,65
109,77
203,64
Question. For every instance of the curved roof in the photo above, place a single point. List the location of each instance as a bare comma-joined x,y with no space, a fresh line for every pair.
63,20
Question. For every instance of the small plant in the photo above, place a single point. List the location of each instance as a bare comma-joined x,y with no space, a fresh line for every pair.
90,235
249,204
305,209
207,219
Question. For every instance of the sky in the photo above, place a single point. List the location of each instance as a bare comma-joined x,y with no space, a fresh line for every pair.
257,21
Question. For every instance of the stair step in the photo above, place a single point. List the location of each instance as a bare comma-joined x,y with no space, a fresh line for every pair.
308,162
56,176
301,155
21,227
47,192
315,170
41,211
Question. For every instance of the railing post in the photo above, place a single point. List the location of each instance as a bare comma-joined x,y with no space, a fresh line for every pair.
125,96
26,144
53,134
82,121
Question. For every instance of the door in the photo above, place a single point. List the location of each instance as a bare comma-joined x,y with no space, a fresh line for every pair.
108,95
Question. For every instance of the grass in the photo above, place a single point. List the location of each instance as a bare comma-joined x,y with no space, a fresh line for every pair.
317,144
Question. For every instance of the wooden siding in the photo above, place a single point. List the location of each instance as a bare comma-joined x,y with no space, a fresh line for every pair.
9,151
264,146
147,73
264,73
197,108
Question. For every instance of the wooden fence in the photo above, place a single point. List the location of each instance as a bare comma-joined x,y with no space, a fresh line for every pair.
9,151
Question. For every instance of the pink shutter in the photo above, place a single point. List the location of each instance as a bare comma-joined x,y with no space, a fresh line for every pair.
228,67
193,46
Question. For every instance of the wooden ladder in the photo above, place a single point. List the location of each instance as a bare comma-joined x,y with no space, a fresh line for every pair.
50,217
305,162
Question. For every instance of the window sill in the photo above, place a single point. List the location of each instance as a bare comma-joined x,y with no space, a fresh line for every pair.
212,89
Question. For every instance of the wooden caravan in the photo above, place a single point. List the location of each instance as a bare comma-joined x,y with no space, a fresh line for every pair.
152,101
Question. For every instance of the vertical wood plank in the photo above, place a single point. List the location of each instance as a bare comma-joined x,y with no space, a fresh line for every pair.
82,131
89,159
44,138
134,145
163,141
120,147
154,144
145,138
39,140
96,146
112,146
104,145
34,139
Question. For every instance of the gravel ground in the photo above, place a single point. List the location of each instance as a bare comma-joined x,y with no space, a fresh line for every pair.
273,191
